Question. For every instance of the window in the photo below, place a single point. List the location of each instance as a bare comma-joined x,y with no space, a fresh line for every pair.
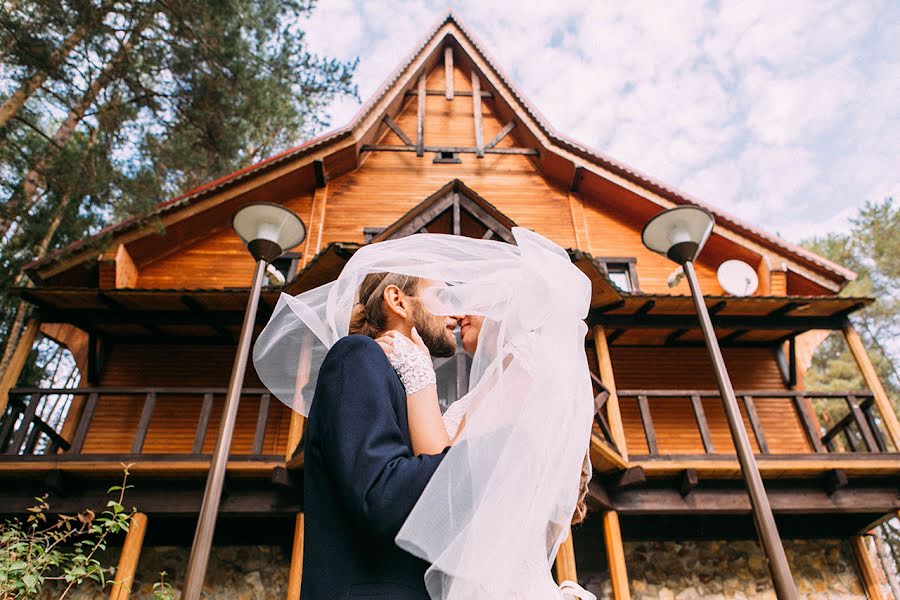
447,157
622,272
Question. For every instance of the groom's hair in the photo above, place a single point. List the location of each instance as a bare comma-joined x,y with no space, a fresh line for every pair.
368,316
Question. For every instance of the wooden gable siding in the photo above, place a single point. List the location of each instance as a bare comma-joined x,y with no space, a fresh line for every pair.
216,261
639,368
174,421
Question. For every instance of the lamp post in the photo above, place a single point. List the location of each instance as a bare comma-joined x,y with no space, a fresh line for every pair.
267,230
679,234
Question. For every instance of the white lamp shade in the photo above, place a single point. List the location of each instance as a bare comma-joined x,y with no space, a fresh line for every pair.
270,222
678,233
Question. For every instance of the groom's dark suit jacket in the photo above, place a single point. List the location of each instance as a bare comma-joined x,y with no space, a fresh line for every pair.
361,480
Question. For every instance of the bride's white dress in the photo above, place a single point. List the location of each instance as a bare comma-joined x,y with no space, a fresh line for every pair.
535,580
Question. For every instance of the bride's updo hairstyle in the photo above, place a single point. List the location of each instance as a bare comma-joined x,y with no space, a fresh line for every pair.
581,508
368,316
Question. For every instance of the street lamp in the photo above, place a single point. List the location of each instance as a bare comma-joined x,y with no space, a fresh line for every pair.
679,234
267,230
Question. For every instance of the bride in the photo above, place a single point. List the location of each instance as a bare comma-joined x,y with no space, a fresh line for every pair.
497,508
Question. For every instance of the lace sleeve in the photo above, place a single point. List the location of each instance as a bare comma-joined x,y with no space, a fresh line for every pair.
454,414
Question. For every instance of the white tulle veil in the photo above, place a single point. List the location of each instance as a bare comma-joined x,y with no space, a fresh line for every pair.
501,500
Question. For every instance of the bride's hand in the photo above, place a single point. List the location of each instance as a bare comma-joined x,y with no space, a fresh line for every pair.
386,342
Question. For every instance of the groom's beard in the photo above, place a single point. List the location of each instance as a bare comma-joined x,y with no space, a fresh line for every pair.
439,340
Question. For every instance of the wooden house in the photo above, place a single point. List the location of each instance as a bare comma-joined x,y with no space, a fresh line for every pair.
151,316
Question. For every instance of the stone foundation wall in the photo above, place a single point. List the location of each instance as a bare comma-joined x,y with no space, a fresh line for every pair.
732,570
235,573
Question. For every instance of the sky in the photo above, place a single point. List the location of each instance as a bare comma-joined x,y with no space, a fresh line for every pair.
785,114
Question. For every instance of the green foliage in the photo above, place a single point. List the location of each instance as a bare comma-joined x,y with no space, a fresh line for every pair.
63,549
872,250
130,102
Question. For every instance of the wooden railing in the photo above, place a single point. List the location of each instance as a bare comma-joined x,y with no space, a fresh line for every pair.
25,434
859,428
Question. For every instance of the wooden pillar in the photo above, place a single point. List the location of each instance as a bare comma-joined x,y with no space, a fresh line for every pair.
615,556
858,349
565,561
476,109
613,415
295,576
131,553
17,362
295,431
866,569
448,72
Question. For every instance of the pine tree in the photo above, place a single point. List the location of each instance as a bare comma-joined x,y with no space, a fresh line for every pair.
106,108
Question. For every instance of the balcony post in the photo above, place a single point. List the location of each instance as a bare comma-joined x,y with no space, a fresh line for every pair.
613,414
870,375
565,560
615,556
17,362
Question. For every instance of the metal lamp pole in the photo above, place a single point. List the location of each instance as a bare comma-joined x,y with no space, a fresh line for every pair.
267,229
679,234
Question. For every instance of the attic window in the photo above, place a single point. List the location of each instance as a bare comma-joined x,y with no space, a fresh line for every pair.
447,157
622,272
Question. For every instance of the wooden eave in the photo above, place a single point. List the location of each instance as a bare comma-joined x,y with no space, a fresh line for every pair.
339,152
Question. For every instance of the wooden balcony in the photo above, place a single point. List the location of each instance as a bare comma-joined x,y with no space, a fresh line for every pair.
671,431
163,430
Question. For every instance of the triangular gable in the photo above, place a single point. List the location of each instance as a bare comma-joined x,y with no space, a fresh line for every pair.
454,209
312,164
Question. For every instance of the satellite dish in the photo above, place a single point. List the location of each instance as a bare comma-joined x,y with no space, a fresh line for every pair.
737,278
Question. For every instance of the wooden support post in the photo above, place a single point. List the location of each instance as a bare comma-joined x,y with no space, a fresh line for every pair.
565,561
295,575
298,421
615,556
613,415
128,560
448,72
420,118
866,569
476,107
17,362
888,416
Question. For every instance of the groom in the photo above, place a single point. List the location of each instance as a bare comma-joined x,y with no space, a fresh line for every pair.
361,479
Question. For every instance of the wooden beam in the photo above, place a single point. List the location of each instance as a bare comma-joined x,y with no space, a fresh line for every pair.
647,421
17,362
835,479
298,421
615,556
810,425
420,118
888,416
502,134
755,424
866,568
455,149
565,561
476,108
577,178
466,93
396,129
262,419
126,270
700,417
448,72
203,423
319,171
673,337
295,575
689,481
613,414
128,560
629,477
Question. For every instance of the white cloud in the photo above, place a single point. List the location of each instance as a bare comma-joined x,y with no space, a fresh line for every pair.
782,113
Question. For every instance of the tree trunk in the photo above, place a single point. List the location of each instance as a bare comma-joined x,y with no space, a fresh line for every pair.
18,324
14,103
21,203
